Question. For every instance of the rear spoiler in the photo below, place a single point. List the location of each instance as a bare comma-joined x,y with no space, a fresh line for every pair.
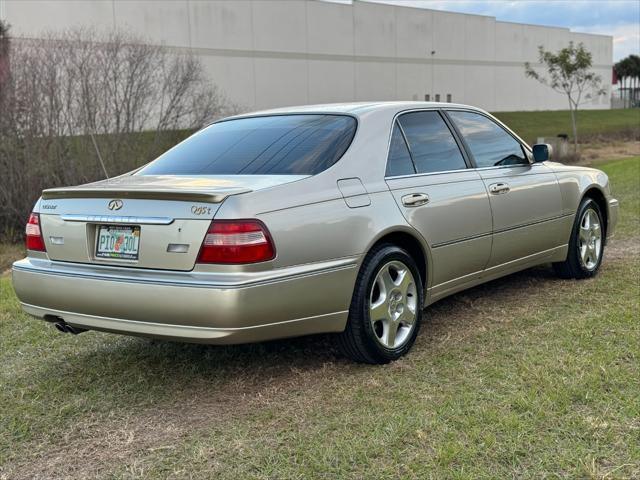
195,195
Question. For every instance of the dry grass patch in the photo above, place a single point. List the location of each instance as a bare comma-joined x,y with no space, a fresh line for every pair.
595,153
9,253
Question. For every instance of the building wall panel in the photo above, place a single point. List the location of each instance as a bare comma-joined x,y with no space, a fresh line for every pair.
414,32
331,81
280,82
412,81
330,28
509,42
224,24
375,81
167,22
236,74
532,37
269,53
480,38
449,79
375,29
448,35
507,87
479,86
30,18
280,25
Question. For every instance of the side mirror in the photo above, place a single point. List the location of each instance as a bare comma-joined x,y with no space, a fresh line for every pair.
542,152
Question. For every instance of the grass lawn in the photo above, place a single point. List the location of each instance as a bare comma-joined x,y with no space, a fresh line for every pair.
9,253
591,123
525,377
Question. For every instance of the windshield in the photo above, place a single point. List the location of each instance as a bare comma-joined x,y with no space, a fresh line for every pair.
269,145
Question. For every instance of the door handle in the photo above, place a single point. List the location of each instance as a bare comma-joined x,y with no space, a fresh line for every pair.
499,188
415,199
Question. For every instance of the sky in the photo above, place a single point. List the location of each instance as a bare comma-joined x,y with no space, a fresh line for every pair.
618,18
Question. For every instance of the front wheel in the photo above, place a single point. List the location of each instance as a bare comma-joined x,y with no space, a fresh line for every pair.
586,244
386,308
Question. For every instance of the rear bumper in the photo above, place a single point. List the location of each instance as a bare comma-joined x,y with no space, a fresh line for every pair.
189,307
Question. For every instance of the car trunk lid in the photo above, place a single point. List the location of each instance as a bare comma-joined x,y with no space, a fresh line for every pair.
157,222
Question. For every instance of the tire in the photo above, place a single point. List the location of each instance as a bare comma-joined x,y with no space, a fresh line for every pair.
386,311
586,245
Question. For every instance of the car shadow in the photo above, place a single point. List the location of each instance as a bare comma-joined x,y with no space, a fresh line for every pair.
108,359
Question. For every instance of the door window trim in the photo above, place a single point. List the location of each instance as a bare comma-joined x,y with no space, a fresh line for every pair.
467,160
406,143
526,150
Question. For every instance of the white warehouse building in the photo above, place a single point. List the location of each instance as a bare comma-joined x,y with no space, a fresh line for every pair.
271,53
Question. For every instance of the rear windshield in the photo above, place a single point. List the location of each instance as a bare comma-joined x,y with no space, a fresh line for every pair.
270,145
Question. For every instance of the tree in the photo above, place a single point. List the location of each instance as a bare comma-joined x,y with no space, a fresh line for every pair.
79,105
635,73
628,71
623,71
568,72
5,44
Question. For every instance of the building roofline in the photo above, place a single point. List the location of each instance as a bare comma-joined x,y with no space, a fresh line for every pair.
427,9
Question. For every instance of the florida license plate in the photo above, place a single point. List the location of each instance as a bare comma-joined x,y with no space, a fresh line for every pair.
118,242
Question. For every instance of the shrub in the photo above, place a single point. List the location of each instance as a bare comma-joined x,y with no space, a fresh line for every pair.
80,105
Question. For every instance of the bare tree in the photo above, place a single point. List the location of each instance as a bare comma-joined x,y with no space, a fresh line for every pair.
5,43
78,104
568,72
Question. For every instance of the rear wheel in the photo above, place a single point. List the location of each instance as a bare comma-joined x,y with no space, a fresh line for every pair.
586,244
386,308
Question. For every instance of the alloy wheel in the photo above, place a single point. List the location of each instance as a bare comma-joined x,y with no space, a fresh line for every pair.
392,304
590,239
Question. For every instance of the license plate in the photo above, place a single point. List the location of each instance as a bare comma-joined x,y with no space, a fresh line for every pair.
119,242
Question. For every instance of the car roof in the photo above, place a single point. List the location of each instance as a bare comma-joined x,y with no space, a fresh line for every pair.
356,108
361,109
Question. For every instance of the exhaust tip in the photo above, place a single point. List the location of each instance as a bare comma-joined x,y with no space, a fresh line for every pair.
64,327
74,330
61,327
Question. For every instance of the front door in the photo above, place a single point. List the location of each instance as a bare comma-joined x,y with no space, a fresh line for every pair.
525,198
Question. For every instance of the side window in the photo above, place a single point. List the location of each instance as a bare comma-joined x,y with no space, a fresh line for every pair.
431,143
399,161
490,145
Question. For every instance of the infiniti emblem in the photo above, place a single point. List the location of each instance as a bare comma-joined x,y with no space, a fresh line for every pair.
115,204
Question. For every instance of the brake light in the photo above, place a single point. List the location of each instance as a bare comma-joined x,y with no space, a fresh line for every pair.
236,241
34,234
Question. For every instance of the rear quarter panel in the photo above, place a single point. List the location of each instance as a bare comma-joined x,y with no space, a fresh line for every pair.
319,226
310,220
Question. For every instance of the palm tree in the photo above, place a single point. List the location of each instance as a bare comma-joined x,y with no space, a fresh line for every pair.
628,71
634,67
622,72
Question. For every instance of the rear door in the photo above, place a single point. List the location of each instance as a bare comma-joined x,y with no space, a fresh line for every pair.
440,196
525,197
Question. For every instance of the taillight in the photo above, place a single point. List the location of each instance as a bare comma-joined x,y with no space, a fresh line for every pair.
236,241
34,234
